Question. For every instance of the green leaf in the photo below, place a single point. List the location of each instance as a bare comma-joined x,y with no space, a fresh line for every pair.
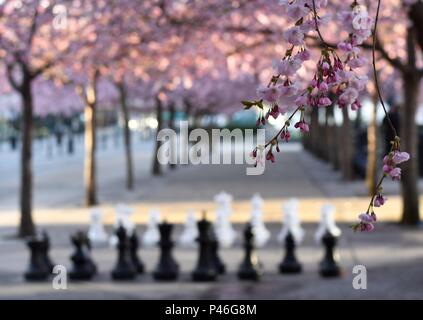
247,104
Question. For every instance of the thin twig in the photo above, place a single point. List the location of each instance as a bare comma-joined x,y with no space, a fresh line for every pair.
317,26
391,125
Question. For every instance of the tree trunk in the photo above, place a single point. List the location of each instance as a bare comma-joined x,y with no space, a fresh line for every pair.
157,169
346,151
371,170
90,161
331,137
127,137
409,143
27,226
172,115
314,131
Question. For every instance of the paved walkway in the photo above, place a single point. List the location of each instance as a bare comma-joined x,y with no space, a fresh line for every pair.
58,191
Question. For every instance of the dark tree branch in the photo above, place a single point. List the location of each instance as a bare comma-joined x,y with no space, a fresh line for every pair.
33,29
12,80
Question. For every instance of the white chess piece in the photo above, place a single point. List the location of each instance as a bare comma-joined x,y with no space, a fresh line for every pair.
96,233
225,233
151,236
261,234
189,235
327,223
122,218
291,222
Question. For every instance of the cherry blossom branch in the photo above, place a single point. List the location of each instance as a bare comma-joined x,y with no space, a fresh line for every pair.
283,127
391,160
391,125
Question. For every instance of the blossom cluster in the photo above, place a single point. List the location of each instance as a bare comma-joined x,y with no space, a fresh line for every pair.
335,80
390,169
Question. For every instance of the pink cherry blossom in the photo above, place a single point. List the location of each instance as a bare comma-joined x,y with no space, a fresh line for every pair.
294,36
301,101
288,91
324,102
297,11
288,67
269,94
400,157
379,200
303,55
348,97
303,126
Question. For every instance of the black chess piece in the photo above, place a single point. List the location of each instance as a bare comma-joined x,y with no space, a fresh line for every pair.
214,247
329,266
134,245
250,268
46,249
290,263
167,268
206,268
83,267
124,268
37,269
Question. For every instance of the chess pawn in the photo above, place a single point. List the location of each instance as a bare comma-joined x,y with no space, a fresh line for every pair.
46,249
124,268
261,234
37,269
152,235
329,266
291,222
327,223
250,268
290,263
96,233
134,245
225,233
205,269
167,268
83,267
123,218
214,247
190,233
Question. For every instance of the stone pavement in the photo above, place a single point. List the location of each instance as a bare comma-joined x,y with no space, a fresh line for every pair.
393,257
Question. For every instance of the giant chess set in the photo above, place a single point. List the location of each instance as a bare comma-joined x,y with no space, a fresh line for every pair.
203,237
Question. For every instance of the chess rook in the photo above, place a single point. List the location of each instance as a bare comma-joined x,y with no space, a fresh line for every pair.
37,269
46,249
